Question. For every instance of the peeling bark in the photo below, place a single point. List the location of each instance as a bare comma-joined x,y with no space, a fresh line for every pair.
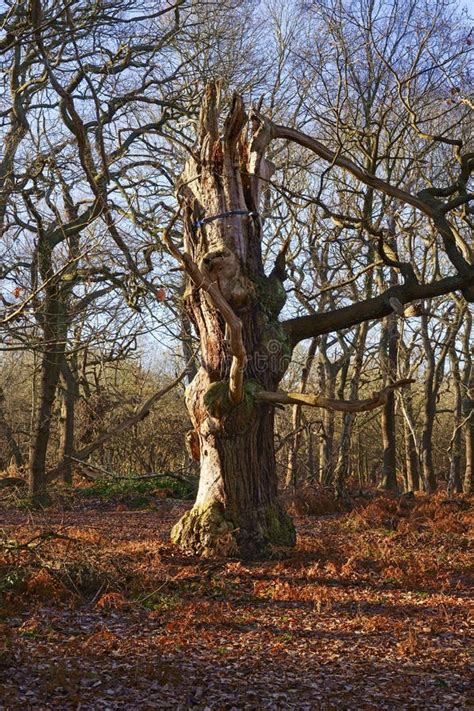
245,350
237,511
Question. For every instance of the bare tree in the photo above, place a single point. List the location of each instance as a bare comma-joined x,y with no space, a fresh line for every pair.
364,140
237,507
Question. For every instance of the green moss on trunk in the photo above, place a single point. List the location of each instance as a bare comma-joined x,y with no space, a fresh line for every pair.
218,403
280,530
205,531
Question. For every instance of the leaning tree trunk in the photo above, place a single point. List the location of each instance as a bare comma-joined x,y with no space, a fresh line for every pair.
412,466
237,510
412,459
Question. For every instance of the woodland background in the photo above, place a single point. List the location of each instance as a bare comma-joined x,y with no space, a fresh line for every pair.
389,85
97,608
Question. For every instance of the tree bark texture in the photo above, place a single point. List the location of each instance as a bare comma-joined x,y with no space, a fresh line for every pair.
468,414
412,465
237,511
53,320
50,369
468,404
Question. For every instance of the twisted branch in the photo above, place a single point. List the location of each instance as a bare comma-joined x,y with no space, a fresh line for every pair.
202,280
378,399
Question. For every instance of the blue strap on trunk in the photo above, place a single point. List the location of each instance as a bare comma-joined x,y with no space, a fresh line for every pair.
221,215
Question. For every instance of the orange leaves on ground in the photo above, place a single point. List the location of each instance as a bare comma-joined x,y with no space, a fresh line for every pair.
320,596
379,513
112,601
410,644
44,585
101,642
85,534
313,500
416,514
370,606
31,626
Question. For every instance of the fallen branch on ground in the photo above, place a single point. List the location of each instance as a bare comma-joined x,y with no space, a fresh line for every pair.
131,477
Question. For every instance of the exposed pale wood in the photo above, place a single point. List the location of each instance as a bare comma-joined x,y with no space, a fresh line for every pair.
314,400
201,279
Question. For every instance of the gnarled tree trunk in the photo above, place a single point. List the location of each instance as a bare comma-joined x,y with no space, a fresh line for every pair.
237,509
245,350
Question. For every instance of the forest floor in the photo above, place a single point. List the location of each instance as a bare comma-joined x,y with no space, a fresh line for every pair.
369,612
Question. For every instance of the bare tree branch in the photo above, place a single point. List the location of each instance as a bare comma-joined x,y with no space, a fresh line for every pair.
312,400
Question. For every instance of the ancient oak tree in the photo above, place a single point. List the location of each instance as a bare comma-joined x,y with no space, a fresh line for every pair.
245,346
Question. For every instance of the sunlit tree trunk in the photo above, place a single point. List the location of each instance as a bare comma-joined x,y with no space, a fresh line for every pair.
245,350
412,468
237,510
